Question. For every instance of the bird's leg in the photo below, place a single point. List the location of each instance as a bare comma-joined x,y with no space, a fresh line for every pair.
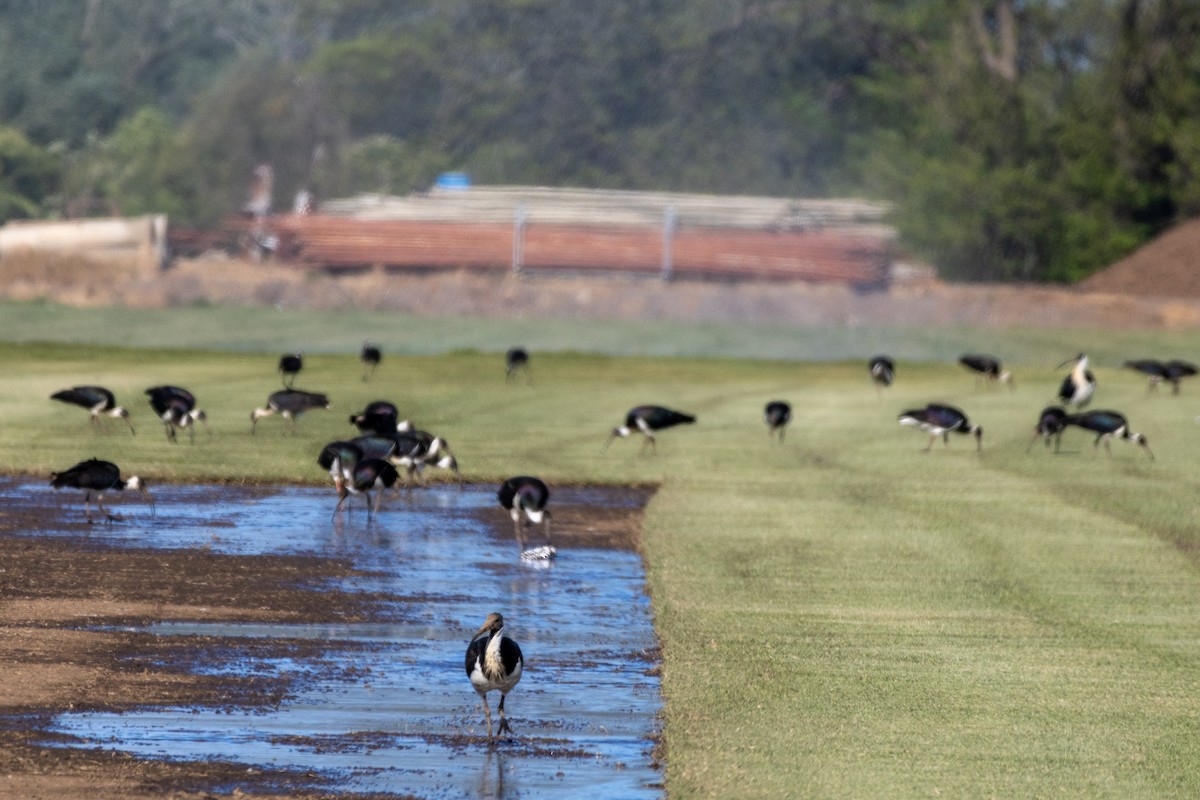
87,507
1107,449
342,495
928,447
111,516
504,726
487,712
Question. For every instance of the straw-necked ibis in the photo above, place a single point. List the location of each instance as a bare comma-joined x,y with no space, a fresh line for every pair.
942,420
524,496
1172,371
987,368
97,477
1079,385
883,372
646,420
1050,425
290,365
777,414
379,416
97,400
1108,425
367,475
289,404
494,663
176,408
517,360
370,358
338,459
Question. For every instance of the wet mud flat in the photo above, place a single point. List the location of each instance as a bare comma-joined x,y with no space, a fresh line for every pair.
242,641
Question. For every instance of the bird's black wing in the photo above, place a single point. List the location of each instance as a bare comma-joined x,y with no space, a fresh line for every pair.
90,474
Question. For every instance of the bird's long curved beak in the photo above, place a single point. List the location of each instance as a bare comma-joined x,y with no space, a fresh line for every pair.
1068,361
131,430
1149,452
615,433
150,499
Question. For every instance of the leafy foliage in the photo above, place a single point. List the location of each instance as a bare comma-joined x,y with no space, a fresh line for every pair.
1030,141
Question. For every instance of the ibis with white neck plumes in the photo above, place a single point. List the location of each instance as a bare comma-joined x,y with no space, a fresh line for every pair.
1108,425
517,360
1079,385
646,420
494,663
883,372
942,420
290,365
97,400
370,357
176,407
987,368
289,404
1050,425
1155,371
777,414
526,496
95,477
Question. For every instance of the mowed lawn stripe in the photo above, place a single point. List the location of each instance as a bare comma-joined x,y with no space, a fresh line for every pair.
842,615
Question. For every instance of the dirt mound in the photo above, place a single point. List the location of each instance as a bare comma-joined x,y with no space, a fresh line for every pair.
1168,266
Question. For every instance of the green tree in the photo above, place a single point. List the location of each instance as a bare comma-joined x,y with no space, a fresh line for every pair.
28,176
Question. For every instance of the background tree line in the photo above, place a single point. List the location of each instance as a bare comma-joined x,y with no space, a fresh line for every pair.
1018,139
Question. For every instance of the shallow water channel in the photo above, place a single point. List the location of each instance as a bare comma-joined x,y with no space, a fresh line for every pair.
387,706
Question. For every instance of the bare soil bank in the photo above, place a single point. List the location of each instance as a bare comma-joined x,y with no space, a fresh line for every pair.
1107,301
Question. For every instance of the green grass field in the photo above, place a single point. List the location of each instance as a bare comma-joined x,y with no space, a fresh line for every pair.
841,616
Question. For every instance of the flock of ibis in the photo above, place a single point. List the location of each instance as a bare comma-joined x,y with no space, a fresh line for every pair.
389,450
1075,393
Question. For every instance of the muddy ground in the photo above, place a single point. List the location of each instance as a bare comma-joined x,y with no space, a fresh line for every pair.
60,599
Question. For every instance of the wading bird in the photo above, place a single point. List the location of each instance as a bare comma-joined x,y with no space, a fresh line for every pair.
366,475
289,404
176,408
417,450
97,400
338,459
1050,425
777,414
97,477
1108,425
516,360
290,365
1079,385
646,420
494,663
370,358
526,496
941,420
883,372
987,368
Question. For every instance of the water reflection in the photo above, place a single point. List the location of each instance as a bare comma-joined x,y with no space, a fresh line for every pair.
388,708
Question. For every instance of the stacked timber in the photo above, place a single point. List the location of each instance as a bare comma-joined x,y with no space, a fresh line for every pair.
533,229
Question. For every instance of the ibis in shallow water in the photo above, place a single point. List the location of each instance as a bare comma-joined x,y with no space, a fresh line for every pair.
942,420
97,400
289,404
526,496
646,420
1108,425
494,663
777,414
97,477
367,475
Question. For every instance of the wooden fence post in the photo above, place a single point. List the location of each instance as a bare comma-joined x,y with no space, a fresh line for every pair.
518,251
670,223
